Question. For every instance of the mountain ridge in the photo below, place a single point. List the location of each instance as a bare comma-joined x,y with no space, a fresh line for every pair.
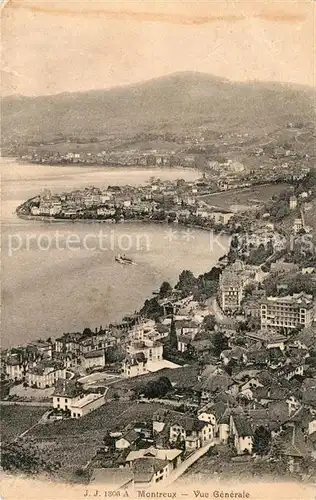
176,74
172,102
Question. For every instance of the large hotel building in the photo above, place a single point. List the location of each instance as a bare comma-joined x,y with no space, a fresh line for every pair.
232,283
288,312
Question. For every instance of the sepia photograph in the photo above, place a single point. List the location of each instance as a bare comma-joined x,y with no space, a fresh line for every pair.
158,259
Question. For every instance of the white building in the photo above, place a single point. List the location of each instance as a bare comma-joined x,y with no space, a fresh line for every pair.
287,312
45,374
232,283
93,359
135,365
241,432
87,404
66,393
14,369
69,396
151,349
293,202
298,225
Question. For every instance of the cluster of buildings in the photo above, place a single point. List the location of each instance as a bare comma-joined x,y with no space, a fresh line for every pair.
266,393
70,399
174,201
41,363
250,355
261,383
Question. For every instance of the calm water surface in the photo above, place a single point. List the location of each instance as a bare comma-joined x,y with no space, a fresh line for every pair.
71,285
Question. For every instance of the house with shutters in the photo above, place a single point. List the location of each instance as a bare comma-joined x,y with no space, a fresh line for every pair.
66,393
183,428
242,433
134,365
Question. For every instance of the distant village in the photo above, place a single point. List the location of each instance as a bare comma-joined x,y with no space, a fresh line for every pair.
181,202
217,371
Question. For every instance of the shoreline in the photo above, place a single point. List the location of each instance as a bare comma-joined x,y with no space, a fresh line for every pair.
49,220
53,220
112,166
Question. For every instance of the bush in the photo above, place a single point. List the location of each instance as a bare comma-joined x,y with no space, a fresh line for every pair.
156,388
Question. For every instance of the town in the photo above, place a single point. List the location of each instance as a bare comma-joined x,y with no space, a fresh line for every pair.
227,201
211,376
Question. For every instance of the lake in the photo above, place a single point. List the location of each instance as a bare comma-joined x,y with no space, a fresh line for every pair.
59,277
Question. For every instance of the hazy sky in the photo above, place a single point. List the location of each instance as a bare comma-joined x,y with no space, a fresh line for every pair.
56,46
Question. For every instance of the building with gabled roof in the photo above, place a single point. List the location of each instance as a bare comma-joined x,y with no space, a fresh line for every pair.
242,433
183,427
113,478
66,393
135,365
152,349
93,359
45,374
305,339
267,338
217,382
149,471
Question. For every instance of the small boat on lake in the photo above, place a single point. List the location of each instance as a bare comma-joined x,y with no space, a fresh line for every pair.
122,259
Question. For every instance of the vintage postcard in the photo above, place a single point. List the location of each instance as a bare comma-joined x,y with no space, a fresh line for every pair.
158,222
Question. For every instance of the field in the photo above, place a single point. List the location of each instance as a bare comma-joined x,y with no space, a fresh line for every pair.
178,376
245,198
73,443
16,419
30,394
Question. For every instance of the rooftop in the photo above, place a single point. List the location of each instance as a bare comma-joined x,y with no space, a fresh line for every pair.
46,367
299,299
94,354
145,468
89,398
167,454
112,477
266,336
172,417
67,388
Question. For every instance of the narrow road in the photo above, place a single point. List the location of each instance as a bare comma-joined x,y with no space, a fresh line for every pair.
27,430
25,403
216,310
176,473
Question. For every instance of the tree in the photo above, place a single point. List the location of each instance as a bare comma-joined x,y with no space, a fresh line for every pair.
220,343
157,388
261,441
173,340
87,332
187,282
209,322
232,363
190,352
114,354
249,289
179,443
165,290
151,309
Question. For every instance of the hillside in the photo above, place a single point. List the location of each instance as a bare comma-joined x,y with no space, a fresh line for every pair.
172,103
